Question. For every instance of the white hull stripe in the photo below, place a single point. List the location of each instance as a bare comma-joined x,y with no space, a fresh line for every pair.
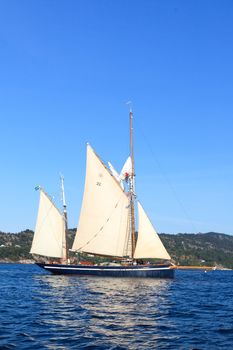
105,270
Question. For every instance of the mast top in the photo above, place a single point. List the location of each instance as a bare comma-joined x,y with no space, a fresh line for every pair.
129,103
131,187
63,190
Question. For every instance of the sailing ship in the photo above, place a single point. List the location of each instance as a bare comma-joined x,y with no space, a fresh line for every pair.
106,226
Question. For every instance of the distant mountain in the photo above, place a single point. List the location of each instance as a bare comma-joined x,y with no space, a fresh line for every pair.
202,249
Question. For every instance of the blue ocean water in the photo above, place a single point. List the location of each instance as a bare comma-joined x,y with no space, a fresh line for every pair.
42,311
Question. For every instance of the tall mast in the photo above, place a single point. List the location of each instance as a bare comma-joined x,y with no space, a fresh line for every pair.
65,246
132,190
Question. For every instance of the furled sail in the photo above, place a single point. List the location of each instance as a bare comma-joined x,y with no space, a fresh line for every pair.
103,224
148,244
49,237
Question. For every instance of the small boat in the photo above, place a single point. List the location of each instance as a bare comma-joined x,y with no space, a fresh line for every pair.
106,226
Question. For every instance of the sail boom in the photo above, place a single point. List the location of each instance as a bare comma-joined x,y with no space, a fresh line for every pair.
102,255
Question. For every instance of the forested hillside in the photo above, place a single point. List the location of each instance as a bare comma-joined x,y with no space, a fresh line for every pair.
207,249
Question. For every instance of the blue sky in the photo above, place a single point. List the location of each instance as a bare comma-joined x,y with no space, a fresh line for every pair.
67,69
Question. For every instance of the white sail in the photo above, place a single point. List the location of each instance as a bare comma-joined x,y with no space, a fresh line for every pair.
148,244
114,172
103,223
116,175
49,237
127,169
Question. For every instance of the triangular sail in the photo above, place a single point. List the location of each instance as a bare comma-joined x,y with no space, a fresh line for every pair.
148,244
116,175
103,223
49,237
114,172
127,169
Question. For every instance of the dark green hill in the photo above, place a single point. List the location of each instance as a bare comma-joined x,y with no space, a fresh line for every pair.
15,247
208,249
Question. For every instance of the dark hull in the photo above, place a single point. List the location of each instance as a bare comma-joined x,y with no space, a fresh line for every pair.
151,271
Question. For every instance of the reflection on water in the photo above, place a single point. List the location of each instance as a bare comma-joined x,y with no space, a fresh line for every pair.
109,308
41,311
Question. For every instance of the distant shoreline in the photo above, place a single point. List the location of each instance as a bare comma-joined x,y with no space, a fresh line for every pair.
202,249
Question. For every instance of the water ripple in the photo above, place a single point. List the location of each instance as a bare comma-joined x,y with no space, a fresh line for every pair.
41,311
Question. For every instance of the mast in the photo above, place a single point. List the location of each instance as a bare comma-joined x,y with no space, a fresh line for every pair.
132,190
65,246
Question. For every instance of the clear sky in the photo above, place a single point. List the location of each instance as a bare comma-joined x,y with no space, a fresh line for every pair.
67,69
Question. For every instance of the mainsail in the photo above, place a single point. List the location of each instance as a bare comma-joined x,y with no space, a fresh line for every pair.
104,219
49,237
149,244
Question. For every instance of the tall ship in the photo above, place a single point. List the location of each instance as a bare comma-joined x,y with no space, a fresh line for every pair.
106,228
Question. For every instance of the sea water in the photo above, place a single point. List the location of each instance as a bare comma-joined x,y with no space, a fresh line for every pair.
42,311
